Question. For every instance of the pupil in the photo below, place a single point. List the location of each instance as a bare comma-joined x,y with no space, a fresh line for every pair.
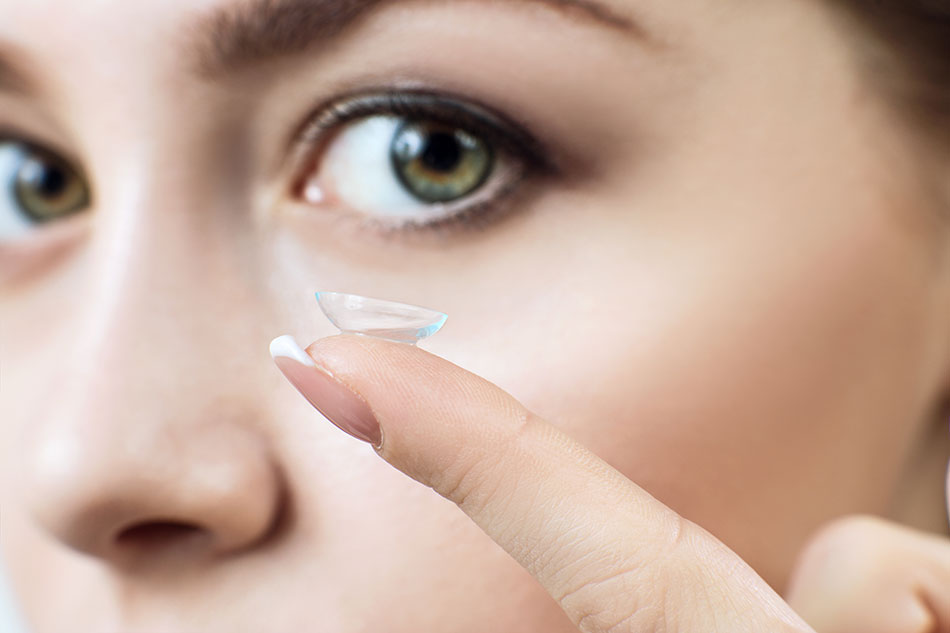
442,152
47,181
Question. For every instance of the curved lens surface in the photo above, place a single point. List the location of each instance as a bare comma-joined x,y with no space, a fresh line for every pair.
400,322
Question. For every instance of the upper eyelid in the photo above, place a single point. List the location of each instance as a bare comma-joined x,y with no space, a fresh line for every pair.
515,137
12,135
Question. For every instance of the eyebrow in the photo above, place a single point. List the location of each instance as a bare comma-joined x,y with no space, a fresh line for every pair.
238,36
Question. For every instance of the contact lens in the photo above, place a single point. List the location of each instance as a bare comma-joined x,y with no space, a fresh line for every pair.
400,322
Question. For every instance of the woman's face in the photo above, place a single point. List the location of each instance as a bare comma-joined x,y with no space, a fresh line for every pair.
689,233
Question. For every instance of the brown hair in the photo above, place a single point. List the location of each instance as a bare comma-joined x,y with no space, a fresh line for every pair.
908,54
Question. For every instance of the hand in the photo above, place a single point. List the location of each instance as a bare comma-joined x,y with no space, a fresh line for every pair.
864,575
614,558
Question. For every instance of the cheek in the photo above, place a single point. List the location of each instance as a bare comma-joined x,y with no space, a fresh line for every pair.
761,369
757,394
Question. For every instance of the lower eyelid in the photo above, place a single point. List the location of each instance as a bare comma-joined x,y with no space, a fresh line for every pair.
352,230
44,248
491,213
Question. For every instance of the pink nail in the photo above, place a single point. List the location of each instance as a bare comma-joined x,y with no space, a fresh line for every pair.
338,403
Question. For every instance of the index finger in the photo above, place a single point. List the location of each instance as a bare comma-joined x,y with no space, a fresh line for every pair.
614,557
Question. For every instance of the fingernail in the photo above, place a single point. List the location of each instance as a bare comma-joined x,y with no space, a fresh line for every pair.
338,403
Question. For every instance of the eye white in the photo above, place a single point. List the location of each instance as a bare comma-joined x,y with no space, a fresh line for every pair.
357,168
14,223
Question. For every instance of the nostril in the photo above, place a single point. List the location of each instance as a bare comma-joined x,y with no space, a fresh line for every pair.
166,508
152,535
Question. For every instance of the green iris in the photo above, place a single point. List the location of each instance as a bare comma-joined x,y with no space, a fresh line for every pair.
46,187
439,163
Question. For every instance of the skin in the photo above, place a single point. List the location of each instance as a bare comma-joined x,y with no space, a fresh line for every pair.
735,293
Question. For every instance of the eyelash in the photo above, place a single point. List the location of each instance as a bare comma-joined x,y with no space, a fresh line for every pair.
463,113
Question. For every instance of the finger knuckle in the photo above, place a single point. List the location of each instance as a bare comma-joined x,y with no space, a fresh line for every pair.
621,601
605,595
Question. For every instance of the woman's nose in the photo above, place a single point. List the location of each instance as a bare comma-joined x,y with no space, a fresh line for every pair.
153,445
149,494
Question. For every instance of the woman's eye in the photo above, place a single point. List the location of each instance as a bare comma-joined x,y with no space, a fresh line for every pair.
36,187
406,168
